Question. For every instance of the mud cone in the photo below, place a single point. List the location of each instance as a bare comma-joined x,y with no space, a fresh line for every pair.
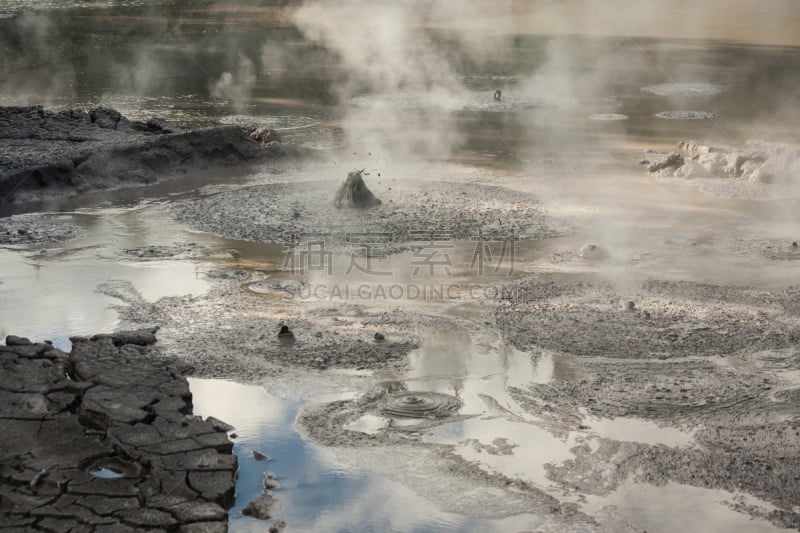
354,192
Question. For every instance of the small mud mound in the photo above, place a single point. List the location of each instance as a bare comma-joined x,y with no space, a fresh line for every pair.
686,115
420,405
288,212
355,193
27,229
683,89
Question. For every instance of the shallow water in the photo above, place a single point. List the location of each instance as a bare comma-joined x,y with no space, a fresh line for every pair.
317,491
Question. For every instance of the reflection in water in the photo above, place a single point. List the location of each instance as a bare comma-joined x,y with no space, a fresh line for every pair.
639,430
317,492
673,507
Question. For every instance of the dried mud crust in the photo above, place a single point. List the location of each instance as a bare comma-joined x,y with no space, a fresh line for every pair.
46,153
410,211
29,229
232,333
111,403
667,320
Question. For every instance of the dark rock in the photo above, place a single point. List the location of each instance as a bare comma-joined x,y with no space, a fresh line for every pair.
264,135
214,486
13,340
147,518
262,508
219,425
126,412
258,456
141,337
47,153
160,125
379,337
205,527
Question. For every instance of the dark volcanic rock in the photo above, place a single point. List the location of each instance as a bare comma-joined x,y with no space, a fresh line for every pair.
110,405
48,153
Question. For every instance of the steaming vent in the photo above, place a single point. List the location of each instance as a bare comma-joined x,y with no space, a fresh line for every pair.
354,192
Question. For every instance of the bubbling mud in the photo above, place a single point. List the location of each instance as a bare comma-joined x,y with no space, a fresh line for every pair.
683,89
686,115
608,116
420,405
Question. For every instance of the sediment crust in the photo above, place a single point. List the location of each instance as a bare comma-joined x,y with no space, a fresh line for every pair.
110,405
45,154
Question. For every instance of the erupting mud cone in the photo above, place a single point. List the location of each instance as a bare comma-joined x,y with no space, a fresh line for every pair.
354,192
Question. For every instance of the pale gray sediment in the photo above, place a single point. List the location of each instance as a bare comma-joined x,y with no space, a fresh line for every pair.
410,211
668,320
707,358
232,333
47,154
28,230
111,405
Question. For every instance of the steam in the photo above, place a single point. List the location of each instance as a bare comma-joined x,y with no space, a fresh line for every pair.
236,85
34,49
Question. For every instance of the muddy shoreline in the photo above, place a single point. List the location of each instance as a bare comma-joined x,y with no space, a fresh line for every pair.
49,154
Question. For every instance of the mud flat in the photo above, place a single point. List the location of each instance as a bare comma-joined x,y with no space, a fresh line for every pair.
706,358
231,333
102,439
410,210
48,154
27,229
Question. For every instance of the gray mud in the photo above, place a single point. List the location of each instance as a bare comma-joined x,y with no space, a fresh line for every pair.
668,319
48,154
710,353
410,211
28,229
230,332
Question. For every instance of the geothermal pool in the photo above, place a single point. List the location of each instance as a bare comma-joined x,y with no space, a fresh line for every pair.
517,385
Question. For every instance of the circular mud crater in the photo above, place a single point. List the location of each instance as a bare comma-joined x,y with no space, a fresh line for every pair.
420,405
686,115
608,116
683,89
289,213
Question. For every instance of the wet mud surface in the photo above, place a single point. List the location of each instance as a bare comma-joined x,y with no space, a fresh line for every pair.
102,439
233,333
410,211
26,230
648,319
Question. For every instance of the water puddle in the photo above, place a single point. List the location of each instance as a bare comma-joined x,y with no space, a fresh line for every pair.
317,492
106,473
673,507
639,430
